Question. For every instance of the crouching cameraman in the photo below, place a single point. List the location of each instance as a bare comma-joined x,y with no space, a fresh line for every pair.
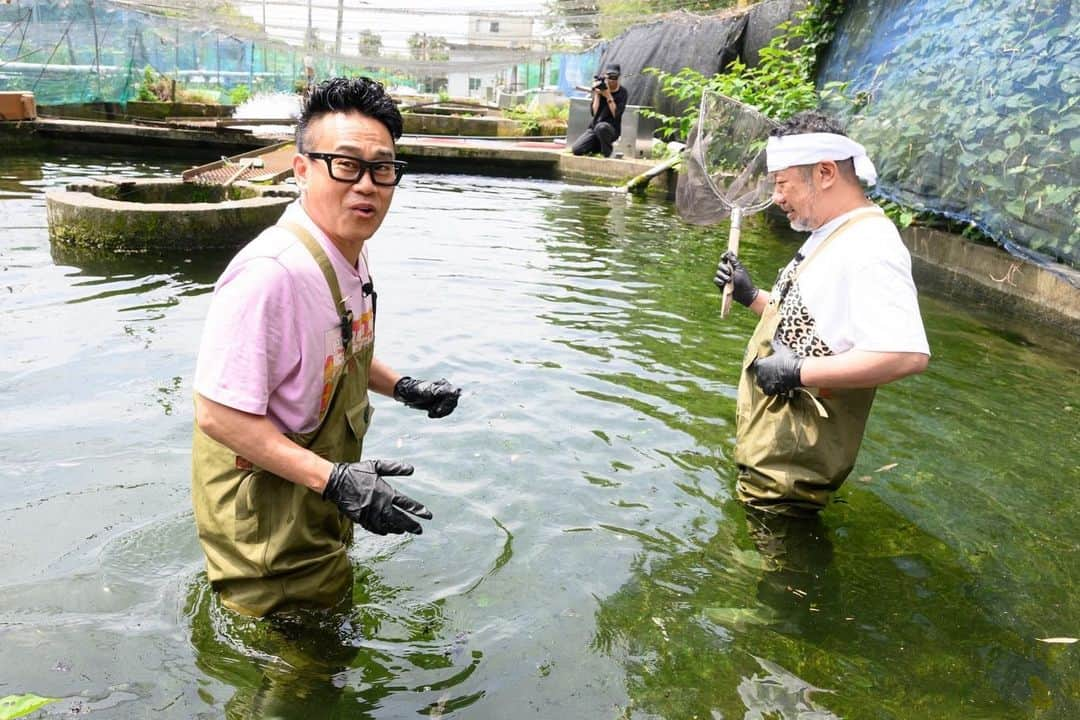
608,103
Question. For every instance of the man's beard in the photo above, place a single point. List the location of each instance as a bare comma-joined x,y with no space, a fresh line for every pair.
800,225
803,223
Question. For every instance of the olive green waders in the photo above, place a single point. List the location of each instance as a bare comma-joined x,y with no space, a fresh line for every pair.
271,544
794,451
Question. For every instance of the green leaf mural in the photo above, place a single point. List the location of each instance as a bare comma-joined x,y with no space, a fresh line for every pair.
970,112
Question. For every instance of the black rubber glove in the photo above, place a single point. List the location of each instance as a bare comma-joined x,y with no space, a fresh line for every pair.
730,270
780,372
359,491
439,398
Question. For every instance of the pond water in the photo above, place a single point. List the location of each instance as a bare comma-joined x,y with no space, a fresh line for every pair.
587,559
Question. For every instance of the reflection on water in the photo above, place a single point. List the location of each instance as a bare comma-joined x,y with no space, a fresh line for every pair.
586,558
373,652
349,661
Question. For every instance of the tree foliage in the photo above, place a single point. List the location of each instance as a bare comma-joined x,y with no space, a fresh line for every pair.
580,17
617,15
428,47
604,19
370,44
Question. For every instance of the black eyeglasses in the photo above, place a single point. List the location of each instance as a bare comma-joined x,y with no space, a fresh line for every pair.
345,168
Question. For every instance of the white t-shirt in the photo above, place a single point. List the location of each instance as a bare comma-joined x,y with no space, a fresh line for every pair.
272,340
859,289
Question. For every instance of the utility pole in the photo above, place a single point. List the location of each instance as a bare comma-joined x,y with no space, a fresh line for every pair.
176,63
265,37
97,50
340,19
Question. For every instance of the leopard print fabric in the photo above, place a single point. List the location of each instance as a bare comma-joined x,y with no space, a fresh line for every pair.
797,329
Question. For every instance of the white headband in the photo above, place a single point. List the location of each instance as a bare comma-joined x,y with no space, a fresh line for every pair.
790,150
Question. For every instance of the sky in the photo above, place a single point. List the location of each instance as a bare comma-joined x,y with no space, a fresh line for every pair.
394,20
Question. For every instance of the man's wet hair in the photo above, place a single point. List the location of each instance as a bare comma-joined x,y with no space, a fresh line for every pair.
814,121
358,94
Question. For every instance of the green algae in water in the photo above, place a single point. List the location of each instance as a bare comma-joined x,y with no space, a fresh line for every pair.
600,436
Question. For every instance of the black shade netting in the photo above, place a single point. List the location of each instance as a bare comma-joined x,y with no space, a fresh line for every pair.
680,40
724,162
972,111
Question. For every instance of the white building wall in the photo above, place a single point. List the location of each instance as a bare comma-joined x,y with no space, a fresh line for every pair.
477,85
500,31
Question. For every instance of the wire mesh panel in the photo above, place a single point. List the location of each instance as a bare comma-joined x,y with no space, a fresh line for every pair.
269,164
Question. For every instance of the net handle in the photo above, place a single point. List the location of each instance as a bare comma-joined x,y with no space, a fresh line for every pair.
733,248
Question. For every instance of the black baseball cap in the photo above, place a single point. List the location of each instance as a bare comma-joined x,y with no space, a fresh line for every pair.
613,70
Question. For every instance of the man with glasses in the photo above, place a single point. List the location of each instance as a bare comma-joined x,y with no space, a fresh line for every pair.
608,104
285,365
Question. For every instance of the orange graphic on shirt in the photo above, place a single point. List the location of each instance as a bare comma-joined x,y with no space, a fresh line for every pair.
328,384
364,327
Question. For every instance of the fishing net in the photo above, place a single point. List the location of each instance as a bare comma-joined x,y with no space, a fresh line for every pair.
725,173
724,162
971,111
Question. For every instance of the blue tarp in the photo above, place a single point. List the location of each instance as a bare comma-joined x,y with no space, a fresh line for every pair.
578,69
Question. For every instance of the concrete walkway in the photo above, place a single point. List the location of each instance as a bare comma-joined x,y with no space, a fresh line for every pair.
516,157
551,160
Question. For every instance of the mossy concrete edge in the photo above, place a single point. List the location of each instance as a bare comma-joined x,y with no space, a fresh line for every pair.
990,278
87,220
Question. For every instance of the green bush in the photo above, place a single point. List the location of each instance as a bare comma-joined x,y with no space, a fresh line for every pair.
207,97
529,121
239,94
154,87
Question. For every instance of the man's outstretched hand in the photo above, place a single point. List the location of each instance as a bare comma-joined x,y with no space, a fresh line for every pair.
439,398
359,491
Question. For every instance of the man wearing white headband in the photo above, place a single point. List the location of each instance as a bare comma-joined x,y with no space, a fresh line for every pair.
842,319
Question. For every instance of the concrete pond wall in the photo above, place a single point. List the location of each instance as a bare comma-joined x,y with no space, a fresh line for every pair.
988,278
437,124
136,109
122,215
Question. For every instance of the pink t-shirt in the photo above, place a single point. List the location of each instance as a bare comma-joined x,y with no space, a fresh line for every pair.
272,340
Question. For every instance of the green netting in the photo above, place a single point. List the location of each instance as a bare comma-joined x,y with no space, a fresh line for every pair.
81,51
78,51
973,111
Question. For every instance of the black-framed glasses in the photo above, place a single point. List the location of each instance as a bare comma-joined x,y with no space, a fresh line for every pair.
346,168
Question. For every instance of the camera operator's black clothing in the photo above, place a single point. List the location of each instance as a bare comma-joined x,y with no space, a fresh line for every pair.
603,113
605,128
